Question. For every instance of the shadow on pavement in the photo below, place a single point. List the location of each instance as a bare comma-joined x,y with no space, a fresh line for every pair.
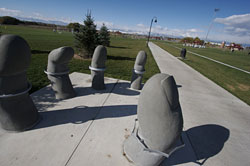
45,98
121,89
82,114
206,141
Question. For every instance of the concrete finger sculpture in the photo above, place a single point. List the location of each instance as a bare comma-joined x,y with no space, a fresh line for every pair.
159,124
17,110
98,67
58,72
138,71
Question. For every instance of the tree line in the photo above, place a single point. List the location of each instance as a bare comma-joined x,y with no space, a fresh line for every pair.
192,40
7,20
86,36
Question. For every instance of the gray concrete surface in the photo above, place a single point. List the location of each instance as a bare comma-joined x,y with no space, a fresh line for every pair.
90,129
216,123
86,130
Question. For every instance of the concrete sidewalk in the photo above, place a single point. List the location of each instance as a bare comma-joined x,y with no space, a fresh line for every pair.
215,122
90,129
86,130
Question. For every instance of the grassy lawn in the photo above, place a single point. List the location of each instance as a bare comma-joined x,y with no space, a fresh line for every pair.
234,81
121,54
238,59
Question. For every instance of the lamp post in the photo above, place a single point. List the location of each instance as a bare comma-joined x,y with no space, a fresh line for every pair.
210,26
155,20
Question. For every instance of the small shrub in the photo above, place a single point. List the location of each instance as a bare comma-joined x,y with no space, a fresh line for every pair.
104,37
86,39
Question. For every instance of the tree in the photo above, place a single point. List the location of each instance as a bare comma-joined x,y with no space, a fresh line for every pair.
74,26
198,41
187,40
86,39
9,20
104,37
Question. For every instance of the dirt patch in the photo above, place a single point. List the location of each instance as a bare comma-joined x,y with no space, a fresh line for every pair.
126,133
89,80
126,136
244,87
231,87
76,56
109,155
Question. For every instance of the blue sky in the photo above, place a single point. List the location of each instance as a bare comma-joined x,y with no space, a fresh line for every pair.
175,17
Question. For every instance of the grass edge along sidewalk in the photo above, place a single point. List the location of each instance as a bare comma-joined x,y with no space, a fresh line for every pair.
234,81
215,61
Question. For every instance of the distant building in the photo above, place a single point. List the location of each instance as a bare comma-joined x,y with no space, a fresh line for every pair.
223,44
156,37
234,47
116,33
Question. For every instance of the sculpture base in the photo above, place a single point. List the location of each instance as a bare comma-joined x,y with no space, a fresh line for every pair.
98,80
135,152
18,113
136,81
62,87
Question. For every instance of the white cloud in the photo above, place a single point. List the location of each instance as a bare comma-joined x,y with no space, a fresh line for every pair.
32,16
40,16
156,29
236,25
235,20
140,25
9,12
177,32
109,25
193,30
139,28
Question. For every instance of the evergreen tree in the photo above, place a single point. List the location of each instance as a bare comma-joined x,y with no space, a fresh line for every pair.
104,37
74,26
86,39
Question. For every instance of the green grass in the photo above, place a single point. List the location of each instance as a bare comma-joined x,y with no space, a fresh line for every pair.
234,81
121,54
238,59
121,58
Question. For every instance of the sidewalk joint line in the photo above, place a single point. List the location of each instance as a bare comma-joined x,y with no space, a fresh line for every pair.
98,112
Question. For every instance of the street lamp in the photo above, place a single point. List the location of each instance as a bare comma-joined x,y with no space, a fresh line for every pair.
210,26
155,20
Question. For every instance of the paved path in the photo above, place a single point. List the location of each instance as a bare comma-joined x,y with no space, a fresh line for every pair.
216,123
90,129
87,130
